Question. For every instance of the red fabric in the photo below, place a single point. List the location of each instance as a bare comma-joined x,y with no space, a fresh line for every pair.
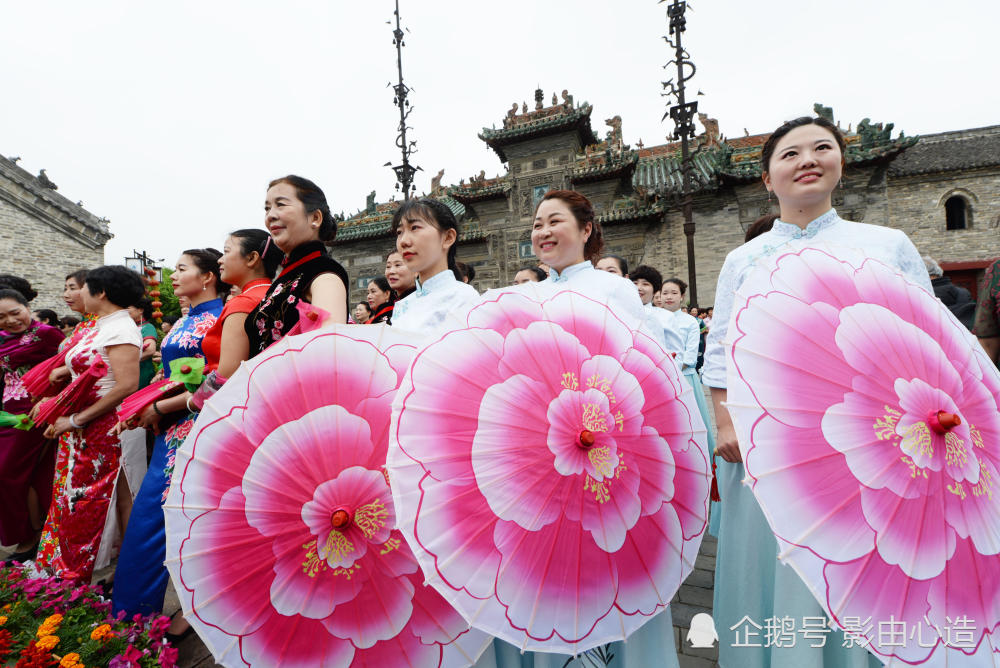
245,302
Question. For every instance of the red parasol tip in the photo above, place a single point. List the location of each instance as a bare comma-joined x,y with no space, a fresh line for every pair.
942,422
340,519
587,439
312,315
185,369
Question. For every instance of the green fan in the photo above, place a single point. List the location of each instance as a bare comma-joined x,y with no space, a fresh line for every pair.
188,370
21,421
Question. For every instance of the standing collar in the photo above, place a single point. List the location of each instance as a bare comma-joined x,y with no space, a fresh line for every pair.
302,250
435,282
781,228
570,271
205,306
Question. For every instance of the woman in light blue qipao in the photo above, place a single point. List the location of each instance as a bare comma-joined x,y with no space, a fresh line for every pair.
567,238
803,161
427,237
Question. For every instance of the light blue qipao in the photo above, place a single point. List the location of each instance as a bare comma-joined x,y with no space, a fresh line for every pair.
436,305
749,581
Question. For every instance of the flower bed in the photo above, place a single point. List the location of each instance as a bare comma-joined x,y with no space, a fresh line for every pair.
47,622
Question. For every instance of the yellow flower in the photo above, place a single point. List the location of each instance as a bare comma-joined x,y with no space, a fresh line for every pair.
48,642
6,608
101,632
3,620
71,660
54,619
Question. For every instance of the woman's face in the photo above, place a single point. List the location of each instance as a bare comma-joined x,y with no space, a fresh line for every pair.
360,313
694,311
658,299
187,279
610,265
286,219
525,276
91,302
556,237
15,318
136,314
71,295
233,266
645,290
376,296
672,296
422,244
398,274
805,166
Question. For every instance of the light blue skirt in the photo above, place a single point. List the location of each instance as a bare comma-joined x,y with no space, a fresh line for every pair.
699,395
751,585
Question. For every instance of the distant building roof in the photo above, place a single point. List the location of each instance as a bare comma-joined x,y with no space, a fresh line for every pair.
966,149
540,123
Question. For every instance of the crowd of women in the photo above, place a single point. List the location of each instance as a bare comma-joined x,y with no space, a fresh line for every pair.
67,485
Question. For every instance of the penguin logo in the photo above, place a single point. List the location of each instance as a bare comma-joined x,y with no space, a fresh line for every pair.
702,633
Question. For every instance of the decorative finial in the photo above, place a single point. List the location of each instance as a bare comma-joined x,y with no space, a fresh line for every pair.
539,97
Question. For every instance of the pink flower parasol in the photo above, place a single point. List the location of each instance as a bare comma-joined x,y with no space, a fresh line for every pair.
868,421
549,471
280,524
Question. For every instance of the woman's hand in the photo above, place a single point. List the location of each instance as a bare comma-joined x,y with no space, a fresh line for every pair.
149,419
158,376
59,375
58,428
726,445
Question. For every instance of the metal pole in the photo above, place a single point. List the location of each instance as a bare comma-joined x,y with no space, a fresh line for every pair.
404,171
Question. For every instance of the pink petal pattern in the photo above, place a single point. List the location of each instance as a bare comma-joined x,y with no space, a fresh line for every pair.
886,511
296,481
548,470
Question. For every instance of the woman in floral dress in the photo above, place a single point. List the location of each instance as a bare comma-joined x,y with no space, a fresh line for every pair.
141,578
105,362
26,458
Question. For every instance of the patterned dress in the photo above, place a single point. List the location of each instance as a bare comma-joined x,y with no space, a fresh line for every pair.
141,578
988,308
87,465
26,457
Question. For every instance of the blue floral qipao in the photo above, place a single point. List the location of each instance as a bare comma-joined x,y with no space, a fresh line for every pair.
141,578
750,583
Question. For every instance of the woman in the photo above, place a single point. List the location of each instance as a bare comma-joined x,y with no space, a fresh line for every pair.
614,264
47,316
566,237
87,462
141,578
529,275
380,301
803,161
142,313
400,278
426,237
299,220
987,324
26,458
362,311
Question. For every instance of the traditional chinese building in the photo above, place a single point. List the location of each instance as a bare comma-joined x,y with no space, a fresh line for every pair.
43,235
943,190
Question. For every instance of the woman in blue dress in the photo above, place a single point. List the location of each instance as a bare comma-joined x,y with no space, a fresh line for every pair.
141,577
803,161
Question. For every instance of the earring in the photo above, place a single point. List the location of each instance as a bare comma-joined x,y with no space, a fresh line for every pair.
769,194
841,183
315,225
204,287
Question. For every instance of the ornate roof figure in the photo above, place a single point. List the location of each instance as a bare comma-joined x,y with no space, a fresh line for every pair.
540,122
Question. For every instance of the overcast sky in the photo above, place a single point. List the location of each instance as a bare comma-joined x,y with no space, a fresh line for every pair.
170,118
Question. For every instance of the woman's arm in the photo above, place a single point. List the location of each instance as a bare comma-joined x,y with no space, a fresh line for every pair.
124,362
148,349
235,345
329,293
992,347
726,445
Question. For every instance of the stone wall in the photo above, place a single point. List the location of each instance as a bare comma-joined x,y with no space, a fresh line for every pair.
42,255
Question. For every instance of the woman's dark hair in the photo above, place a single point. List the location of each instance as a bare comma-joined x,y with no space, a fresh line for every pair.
146,306
464,272
537,271
10,293
772,142
622,263
679,283
207,261
68,321
171,319
22,285
760,226
313,199
258,241
79,277
436,213
367,308
648,273
583,211
120,285
47,316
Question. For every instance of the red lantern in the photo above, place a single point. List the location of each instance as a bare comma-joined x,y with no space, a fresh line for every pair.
157,314
154,293
157,304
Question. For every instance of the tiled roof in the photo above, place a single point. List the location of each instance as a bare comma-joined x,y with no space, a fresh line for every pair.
950,151
630,210
597,166
550,120
663,175
373,225
480,190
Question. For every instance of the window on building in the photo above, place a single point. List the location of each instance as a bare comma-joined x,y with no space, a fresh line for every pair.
956,213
